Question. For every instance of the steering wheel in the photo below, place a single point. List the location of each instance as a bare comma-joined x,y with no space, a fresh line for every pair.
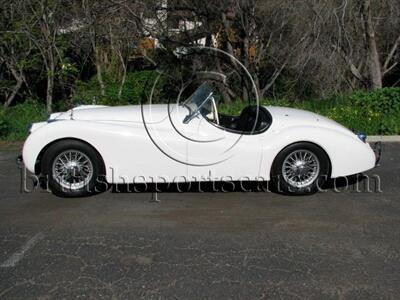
215,111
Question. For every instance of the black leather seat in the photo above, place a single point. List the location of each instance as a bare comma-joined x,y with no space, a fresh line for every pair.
249,121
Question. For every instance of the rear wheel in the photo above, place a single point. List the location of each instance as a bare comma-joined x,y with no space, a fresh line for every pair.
300,169
73,169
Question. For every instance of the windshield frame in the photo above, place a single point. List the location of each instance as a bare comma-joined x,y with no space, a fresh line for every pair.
193,106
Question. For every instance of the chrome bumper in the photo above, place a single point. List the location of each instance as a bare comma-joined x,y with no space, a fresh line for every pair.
377,147
20,161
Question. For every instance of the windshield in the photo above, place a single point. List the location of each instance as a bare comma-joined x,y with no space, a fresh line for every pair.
199,102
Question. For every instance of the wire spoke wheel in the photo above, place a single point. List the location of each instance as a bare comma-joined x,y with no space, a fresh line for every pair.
72,169
301,168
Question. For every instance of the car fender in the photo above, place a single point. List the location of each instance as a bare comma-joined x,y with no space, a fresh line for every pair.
95,134
125,147
348,155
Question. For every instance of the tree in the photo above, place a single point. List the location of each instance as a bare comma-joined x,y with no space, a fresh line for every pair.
364,40
266,39
112,35
16,52
41,24
263,36
292,48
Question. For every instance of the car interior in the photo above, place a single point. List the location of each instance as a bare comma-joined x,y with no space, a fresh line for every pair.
253,119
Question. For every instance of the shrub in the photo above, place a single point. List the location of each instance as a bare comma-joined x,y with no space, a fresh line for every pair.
382,107
3,125
376,112
385,101
14,121
136,89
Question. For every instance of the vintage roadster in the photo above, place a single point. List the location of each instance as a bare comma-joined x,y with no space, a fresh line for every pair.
78,150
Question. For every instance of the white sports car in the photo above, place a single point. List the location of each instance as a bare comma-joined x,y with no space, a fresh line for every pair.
88,146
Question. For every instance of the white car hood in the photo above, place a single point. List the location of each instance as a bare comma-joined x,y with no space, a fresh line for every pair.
155,113
283,117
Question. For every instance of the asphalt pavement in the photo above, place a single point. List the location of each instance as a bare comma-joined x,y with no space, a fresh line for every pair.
342,244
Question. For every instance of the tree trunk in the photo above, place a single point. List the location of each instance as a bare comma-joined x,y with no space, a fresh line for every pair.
99,72
49,94
209,41
229,46
124,71
374,63
257,83
19,78
50,84
246,61
14,92
226,98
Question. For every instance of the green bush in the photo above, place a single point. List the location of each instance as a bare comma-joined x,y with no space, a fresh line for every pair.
4,127
382,107
376,112
14,121
384,101
136,89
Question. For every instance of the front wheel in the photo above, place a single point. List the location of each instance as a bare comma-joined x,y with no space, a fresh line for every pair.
73,169
300,169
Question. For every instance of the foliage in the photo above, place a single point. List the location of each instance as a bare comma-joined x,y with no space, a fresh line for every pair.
292,52
135,90
385,101
356,111
14,121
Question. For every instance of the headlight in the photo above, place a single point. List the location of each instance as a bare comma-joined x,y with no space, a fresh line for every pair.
362,136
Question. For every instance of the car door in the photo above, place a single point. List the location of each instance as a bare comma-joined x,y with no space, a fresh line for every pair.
164,151
216,154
